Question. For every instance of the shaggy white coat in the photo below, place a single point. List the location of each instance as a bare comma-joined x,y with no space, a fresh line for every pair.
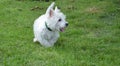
55,20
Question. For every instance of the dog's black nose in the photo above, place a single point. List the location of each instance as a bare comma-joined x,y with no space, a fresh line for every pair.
66,24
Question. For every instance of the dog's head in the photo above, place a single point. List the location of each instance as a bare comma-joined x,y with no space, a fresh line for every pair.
56,20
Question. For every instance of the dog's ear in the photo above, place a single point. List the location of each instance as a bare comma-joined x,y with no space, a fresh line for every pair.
50,11
56,9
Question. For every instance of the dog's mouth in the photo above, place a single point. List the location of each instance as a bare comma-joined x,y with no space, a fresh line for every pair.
62,29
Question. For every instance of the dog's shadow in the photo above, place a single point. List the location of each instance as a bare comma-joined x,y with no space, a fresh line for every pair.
57,44
60,43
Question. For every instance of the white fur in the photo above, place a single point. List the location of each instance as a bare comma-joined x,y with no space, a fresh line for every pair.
52,17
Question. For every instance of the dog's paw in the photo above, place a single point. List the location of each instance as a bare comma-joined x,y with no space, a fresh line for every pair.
34,40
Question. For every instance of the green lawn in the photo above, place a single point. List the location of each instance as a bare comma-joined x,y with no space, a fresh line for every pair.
92,38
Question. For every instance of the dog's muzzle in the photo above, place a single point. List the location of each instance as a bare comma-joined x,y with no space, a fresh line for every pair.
63,28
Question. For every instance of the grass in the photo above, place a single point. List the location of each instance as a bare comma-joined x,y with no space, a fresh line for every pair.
92,38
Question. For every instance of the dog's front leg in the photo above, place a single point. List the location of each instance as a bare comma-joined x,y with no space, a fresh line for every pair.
46,43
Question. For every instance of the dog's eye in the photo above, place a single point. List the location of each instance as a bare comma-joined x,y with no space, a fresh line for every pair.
60,20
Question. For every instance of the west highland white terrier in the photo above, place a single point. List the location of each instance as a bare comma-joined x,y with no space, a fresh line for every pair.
47,27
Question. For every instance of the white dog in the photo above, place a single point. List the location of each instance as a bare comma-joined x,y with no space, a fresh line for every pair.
46,27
